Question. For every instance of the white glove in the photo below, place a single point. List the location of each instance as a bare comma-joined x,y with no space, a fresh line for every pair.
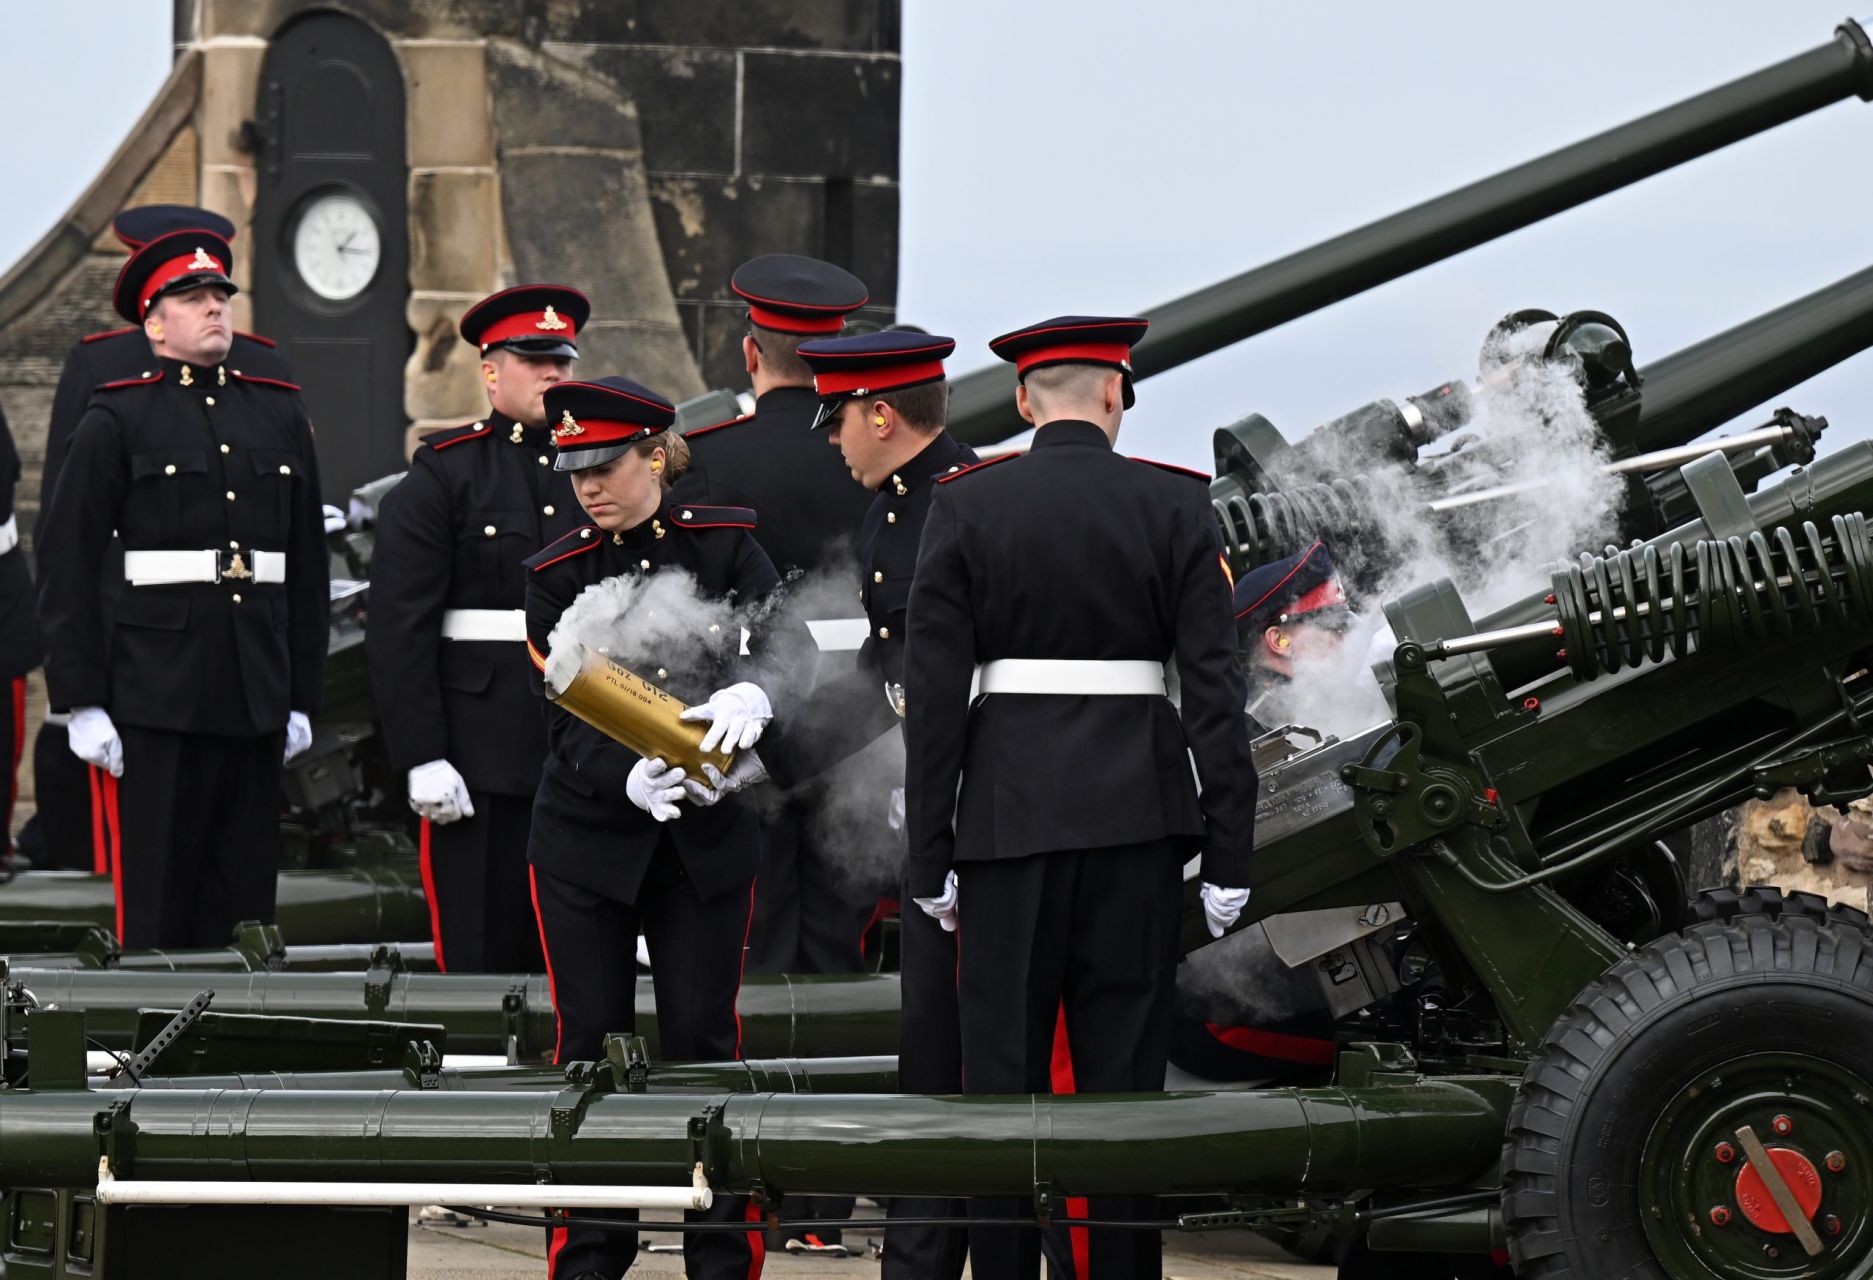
739,713
334,519
746,770
894,810
94,740
298,734
438,793
1222,906
655,787
942,908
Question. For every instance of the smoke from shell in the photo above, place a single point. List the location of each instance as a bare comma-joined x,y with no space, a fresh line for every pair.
1531,426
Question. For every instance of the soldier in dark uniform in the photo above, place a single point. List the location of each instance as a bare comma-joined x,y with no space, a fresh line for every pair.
447,629
203,679
1052,808
883,397
1286,611
67,792
609,855
19,639
808,918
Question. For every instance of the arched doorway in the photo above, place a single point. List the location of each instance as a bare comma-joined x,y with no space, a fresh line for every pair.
331,251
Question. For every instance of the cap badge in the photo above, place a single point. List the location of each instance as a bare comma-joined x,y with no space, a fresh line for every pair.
568,426
550,320
202,262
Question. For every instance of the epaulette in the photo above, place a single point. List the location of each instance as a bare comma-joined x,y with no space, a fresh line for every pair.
961,472
262,339
443,437
1174,469
695,517
255,378
108,333
143,381
717,426
580,540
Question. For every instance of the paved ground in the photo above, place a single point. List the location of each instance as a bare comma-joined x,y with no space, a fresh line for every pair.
518,1253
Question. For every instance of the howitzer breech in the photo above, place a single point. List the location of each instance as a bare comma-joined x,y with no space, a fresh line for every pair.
1423,1134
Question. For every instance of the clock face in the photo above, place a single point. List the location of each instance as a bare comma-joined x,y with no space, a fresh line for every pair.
336,246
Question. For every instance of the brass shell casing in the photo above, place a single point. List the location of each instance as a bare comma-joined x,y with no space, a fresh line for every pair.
624,706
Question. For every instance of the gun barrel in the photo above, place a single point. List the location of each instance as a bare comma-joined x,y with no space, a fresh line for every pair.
353,904
982,402
481,1013
1427,1133
875,1074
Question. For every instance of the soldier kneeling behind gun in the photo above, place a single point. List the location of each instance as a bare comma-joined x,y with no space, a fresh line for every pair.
1266,1021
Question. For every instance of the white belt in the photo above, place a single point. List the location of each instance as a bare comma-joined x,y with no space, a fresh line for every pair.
159,568
9,534
1066,675
838,635
484,624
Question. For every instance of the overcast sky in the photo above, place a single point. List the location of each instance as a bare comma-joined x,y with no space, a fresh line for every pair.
1098,156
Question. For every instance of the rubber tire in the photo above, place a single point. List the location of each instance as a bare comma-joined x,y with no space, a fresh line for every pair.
1635,1037
1767,900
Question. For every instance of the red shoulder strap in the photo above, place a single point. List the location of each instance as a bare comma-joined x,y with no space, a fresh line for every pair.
692,516
261,338
108,333
265,382
703,431
443,437
1174,469
145,380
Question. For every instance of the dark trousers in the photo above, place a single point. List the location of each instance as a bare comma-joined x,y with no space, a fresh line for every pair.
197,819
62,801
929,1061
1092,933
12,745
475,877
590,943
809,916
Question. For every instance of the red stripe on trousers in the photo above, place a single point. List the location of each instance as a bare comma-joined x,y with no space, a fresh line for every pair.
757,1243
429,893
19,747
555,1241
100,856
1274,1044
552,991
114,829
1060,1070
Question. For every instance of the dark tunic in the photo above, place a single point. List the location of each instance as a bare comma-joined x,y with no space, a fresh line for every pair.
455,533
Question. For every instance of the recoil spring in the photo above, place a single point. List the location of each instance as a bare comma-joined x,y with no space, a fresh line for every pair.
1624,607
1262,527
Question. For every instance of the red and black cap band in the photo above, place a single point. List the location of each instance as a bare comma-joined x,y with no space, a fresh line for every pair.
789,293
172,263
531,319
594,422
1097,340
871,363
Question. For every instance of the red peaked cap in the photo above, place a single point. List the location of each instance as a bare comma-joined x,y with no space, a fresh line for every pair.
171,263
594,422
867,363
532,319
1288,591
1103,340
792,294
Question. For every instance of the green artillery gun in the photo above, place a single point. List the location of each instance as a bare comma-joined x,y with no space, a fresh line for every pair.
336,905
254,948
485,1014
1557,1059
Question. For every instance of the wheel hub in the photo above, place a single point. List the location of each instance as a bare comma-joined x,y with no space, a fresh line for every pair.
1758,1204
1708,1212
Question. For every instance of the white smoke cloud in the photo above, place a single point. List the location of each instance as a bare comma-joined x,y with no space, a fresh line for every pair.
1531,431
